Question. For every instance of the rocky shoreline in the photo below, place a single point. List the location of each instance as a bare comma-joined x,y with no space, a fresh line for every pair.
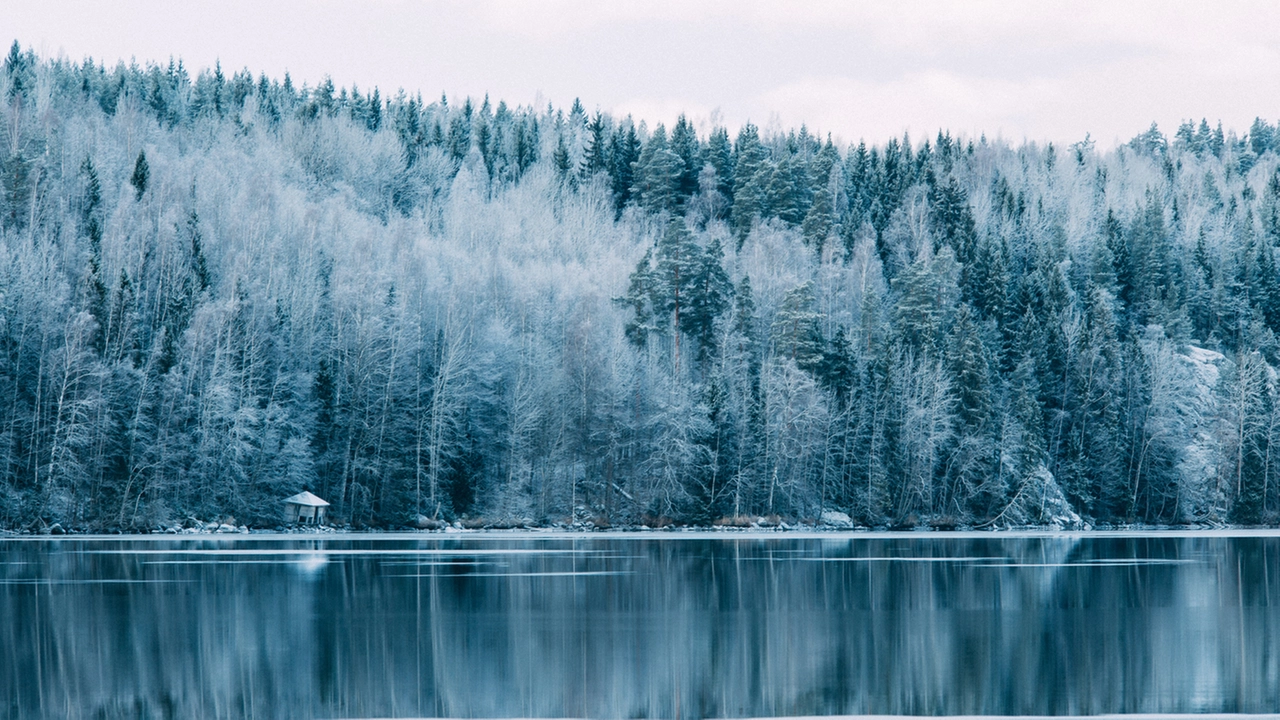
829,523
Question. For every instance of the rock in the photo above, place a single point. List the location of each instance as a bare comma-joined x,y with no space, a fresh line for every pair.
226,529
422,522
243,530
836,519
56,529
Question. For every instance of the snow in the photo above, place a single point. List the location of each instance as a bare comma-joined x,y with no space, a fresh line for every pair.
836,519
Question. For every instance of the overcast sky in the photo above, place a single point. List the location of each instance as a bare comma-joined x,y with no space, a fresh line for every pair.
1036,70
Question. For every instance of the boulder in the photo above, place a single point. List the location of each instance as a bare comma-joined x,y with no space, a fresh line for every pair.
836,519
422,522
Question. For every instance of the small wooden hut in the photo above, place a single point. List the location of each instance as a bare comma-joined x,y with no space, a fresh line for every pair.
305,509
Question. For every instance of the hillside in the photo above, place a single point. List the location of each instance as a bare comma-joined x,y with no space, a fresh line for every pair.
218,290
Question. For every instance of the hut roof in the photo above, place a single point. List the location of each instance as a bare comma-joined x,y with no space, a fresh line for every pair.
306,498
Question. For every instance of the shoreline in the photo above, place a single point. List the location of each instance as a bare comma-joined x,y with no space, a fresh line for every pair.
672,534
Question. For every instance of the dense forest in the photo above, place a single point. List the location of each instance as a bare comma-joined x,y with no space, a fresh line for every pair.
217,290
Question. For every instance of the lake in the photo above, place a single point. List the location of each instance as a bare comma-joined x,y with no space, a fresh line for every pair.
661,624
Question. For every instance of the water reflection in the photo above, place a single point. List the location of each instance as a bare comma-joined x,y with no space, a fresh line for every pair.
668,626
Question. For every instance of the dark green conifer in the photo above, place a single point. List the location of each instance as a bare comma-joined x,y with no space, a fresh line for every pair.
141,176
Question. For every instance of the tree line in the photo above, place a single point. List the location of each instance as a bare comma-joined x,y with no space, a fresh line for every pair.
216,291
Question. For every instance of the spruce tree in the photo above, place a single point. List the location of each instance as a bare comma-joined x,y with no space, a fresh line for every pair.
782,192
710,292
797,332
684,143
596,159
625,153
719,154
749,169
970,372
657,175
141,176
95,288
820,220
639,300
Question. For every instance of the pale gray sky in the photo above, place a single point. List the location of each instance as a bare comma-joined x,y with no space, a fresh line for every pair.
1040,70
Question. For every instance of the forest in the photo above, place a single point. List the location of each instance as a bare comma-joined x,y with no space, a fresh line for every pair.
217,290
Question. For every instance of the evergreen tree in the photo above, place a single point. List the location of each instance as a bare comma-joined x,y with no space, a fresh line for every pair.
562,162
625,152
141,176
952,221
926,293
719,155
819,222
657,175
684,143
797,333
750,171
1261,136
639,299
677,259
1091,468
596,159
17,191
91,225
19,67
967,360
782,192
710,293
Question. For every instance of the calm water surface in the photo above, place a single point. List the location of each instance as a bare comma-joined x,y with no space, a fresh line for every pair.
655,625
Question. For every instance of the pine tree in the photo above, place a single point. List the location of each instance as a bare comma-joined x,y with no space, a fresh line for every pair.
17,182
782,192
710,293
926,293
1024,453
967,361
95,288
20,69
819,223
1261,136
749,176
743,362
625,153
199,265
1126,281
458,140
677,259
952,221
657,175
797,332
719,154
1091,468
141,176
684,143
596,159
560,159
639,299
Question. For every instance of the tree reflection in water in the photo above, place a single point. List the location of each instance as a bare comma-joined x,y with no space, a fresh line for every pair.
642,626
